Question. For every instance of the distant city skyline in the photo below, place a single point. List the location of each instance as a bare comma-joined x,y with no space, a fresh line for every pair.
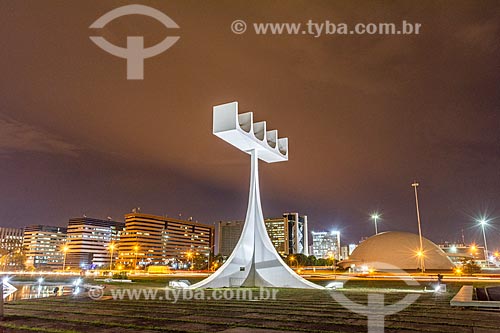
467,239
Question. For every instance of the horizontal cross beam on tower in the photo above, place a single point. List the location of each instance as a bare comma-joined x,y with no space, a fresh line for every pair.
240,131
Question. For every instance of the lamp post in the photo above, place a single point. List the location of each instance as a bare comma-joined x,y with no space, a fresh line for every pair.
375,217
190,259
111,248
136,249
65,250
483,223
421,250
332,258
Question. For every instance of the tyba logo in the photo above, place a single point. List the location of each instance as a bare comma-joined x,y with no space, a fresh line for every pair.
135,53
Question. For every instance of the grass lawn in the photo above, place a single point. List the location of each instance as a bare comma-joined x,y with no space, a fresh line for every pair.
292,310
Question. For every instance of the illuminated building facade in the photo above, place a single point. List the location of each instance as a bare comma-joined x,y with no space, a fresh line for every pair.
458,252
11,239
43,246
89,240
326,244
149,239
287,233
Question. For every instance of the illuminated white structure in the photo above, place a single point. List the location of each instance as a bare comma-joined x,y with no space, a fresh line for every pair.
326,244
254,261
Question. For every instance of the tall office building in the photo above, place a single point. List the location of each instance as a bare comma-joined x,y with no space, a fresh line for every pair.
298,234
89,240
11,239
326,244
43,246
229,233
287,233
150,239
346,250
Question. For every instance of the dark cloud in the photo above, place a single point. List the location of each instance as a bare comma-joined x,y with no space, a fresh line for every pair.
18,137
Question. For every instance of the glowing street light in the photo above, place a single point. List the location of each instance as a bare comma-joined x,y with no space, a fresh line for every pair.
111,248
422,262
483,223
473,249
375,217
136,249
65,250
331,255
189,255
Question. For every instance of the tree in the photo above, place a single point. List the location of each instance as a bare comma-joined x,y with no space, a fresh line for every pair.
199,261
13,260
311,261
18,261
217,261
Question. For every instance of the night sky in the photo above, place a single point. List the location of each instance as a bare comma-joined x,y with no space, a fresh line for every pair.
365,115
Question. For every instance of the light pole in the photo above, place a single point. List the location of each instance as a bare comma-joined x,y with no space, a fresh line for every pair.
421,250
332,258
375,217
483,223
65,250
111,248
190,256
136,249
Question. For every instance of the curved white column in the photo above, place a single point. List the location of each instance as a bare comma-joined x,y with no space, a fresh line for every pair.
254,261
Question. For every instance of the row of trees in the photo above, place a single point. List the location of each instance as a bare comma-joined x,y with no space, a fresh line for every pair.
201,262
16,260
298,260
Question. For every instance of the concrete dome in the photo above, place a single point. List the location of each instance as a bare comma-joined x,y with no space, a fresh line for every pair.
398,249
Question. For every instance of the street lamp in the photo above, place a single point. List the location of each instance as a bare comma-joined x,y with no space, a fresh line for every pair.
291,259
421,250
483,223
65,250
111,247
136,249
331,255
190,256
375,217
